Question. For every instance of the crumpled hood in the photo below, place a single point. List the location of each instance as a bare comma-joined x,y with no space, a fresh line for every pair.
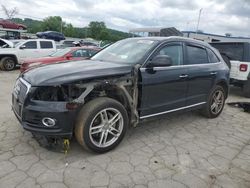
63,73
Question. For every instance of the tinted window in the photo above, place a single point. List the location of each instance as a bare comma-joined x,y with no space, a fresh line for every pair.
234,51
196,55
31,45
92,52
174,52
80,53
46,44
212,57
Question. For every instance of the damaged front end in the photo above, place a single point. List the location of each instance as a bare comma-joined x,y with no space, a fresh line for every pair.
52,110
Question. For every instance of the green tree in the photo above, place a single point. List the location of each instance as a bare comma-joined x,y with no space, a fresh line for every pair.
69,30
96,28
53,23
104,35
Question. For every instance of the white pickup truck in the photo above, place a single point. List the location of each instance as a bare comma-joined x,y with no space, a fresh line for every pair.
11,54
239,55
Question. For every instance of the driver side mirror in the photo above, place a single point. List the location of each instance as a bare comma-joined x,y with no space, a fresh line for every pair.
160,61
22,47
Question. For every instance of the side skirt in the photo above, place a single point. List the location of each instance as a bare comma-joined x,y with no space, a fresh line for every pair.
174,110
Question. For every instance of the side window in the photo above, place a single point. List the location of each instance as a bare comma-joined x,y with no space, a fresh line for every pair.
212,57
46,44
174,52
196,55
30,45
92,52
80,53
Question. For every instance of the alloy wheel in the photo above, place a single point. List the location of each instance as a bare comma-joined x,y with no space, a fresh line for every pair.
217,102
9,64
106,127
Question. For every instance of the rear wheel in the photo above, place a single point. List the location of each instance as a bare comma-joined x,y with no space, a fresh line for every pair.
246,88
101,124
215,102
8,63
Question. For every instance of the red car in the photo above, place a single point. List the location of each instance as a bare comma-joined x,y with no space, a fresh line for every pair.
11,25
67,54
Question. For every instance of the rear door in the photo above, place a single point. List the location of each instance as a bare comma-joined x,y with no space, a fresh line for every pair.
46,48
164,89
201,73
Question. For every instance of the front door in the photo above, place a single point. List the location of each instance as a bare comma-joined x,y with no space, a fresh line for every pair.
163,89
29,50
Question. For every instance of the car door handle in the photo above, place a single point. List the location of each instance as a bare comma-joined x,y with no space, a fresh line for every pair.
183,76
213,73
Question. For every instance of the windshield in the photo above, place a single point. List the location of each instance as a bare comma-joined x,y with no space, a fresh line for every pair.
60,52
126,51
16,43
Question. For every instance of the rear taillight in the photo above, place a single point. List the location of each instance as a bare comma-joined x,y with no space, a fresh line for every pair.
243,67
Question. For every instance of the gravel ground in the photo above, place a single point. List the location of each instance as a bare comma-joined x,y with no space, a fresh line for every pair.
184,150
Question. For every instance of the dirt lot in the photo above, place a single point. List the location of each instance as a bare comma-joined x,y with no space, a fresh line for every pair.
178,151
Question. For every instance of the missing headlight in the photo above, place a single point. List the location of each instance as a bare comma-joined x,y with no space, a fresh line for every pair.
57,93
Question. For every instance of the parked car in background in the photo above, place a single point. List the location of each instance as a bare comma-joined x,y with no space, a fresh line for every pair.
53,35
32,48
238,56
67,54
84,43
11,25
68,43
129,81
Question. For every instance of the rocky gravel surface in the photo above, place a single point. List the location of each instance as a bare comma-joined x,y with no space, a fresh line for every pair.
181,150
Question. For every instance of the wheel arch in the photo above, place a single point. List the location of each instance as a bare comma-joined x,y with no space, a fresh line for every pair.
9,55
224,84
118,93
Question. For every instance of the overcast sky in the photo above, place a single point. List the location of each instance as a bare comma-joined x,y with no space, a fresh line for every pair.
218,16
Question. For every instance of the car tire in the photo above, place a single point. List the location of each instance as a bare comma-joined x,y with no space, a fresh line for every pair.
95,130
246,89
8,63
215,102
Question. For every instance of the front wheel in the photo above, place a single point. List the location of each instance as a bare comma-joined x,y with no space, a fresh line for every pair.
215,102
101,124
8,63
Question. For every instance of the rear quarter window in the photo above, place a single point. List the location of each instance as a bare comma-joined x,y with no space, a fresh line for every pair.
212,57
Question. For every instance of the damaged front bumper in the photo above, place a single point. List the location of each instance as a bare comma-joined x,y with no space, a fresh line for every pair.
31,114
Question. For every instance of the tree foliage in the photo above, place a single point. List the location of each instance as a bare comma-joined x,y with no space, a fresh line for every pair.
53,23
96,30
